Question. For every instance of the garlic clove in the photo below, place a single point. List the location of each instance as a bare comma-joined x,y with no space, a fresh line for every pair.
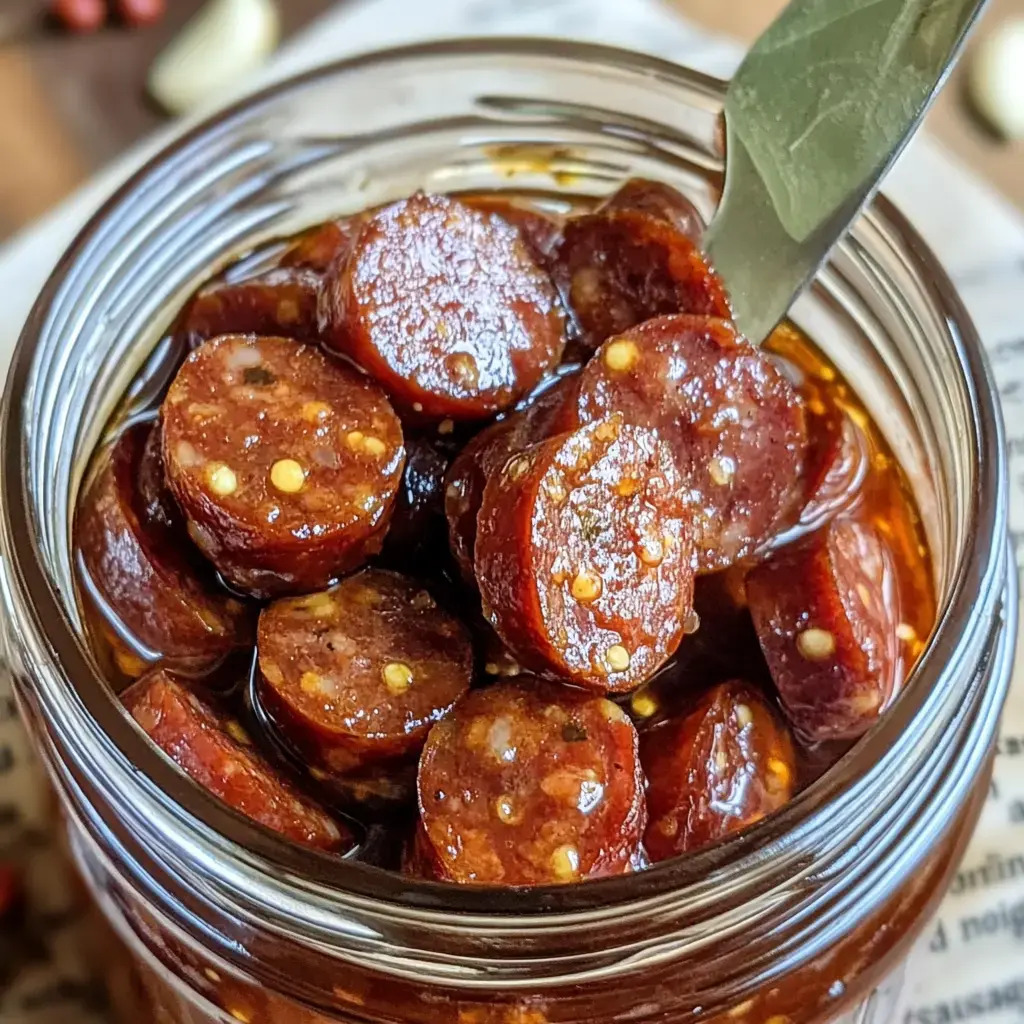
227,40
996,79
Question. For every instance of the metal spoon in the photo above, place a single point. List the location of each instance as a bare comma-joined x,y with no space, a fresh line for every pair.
816,114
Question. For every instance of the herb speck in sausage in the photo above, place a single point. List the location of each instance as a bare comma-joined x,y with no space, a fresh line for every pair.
573,733
258,376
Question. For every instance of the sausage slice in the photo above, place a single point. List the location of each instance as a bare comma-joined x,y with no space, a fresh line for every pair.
618,267
140,569
418,860
540,231
484,456
724,765
418,527
584,555
835,468
445,306
357,674
734,421
214,750
279,303
530,783
319,248
826,611
658,200
285,463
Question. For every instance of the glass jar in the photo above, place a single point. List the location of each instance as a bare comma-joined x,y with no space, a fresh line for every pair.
804,917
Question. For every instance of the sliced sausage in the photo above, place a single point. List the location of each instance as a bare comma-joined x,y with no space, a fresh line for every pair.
721,644
619,267
319,248
661,201
418,858
465,482
484,456
723,766
842,451
826,611
734,421
496,660
368,792
157,503
141,572
445,306
531,783
357,674
279,303
285,463
833,474
584,555
214,750
375,790
418,527
540,231
837,464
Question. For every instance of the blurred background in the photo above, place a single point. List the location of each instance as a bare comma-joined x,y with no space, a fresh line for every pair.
73,85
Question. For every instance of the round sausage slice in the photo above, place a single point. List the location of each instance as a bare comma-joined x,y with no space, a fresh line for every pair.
465,482
418,527
734,421
619,267
584,555
485,455
281,303
418,859
531,783
215,751
445,306
319,248
540,231
140,570
724,765
827,612
358,674
661,201
157,503
835,468
285,463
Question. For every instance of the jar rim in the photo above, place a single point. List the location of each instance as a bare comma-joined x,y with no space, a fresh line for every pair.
742,855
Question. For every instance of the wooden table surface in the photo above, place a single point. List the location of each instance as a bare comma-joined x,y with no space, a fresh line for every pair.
69,105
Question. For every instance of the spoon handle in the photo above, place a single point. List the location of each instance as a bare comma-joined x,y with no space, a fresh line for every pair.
822,105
